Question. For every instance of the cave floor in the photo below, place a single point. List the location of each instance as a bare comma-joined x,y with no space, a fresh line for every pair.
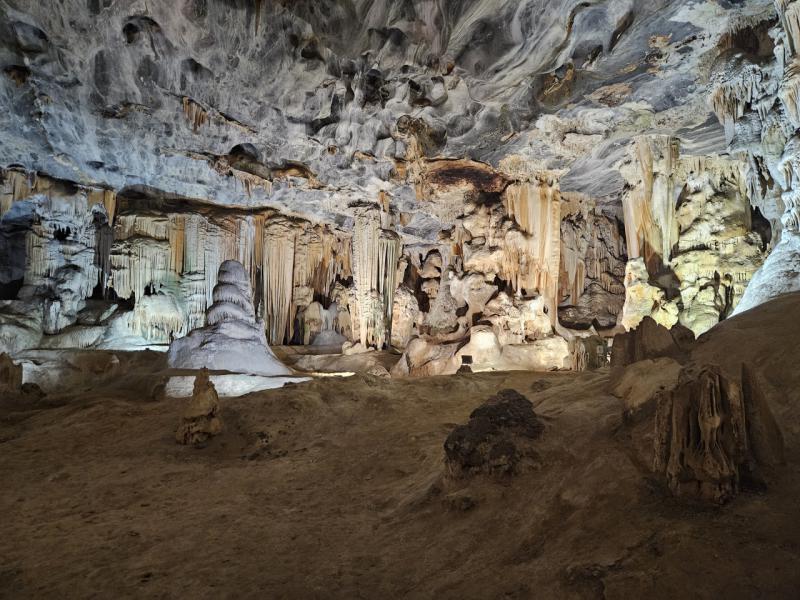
335,489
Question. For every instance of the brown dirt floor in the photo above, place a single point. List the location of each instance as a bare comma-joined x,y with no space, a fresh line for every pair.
336,489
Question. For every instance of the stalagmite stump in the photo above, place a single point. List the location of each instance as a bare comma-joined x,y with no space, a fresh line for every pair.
497,439
712,432
201,420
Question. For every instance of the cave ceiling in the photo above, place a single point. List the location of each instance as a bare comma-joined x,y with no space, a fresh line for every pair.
312,107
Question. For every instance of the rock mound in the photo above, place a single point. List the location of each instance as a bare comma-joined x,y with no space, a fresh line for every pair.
650,340
497,438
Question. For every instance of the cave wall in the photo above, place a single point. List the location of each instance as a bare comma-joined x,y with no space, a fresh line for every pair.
426,178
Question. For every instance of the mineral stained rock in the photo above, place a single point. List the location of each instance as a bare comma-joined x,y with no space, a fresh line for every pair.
498,438
200,421
233,340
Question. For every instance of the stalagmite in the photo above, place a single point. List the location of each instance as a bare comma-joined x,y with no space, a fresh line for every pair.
704,435
233,339
201,419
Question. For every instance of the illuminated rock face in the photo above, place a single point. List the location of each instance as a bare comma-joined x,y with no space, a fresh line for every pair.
521,177
233,339
692,245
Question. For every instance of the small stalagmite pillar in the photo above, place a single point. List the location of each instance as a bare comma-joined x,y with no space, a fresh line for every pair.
201,420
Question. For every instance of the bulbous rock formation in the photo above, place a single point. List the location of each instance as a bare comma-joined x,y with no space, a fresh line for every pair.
233,339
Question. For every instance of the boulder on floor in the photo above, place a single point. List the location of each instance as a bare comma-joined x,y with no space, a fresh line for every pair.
497,439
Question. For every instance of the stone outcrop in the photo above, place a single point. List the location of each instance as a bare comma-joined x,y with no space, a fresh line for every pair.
201,420
233,340
498,439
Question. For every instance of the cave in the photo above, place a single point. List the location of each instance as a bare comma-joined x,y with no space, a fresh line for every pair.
379,299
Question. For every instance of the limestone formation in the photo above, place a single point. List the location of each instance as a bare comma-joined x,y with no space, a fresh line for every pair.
408,178
234,339
201,420
650,340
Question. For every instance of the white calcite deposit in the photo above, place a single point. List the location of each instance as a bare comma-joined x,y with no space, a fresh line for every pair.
233,339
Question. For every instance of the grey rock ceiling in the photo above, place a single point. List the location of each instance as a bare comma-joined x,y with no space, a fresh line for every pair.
98,92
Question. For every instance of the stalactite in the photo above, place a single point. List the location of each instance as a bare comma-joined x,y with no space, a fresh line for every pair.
248,181
532,256
524,203
104,240
16,186
258,7
730,99
106,198
177,242
279,249
137,264
650,226
195,113
149,226
375,255
789,12
158,318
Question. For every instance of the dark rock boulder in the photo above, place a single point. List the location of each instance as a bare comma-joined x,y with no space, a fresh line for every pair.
497,439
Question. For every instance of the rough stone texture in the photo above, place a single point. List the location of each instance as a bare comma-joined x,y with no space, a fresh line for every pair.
352,88
201,420
497,438
650,340
779,275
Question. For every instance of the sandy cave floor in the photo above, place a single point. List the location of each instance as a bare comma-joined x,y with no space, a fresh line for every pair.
335,489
